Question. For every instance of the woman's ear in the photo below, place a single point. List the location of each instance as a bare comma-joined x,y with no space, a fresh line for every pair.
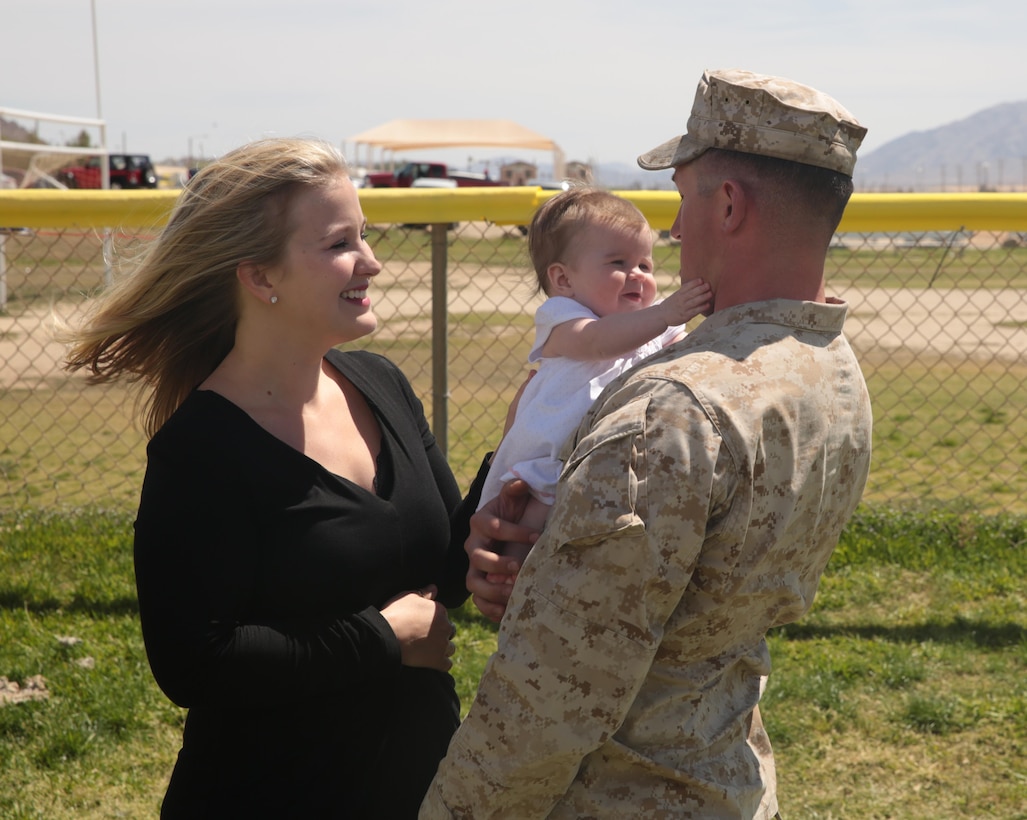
559,281
254,280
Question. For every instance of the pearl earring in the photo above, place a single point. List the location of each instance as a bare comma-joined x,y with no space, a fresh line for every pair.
274,300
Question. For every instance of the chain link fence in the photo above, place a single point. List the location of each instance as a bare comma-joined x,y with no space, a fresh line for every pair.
938,317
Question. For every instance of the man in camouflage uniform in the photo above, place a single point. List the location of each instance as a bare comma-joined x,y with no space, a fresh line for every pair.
699,503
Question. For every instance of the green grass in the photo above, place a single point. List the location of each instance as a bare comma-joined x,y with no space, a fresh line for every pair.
941,431
69,445
949,432
903,694
106,734
929,267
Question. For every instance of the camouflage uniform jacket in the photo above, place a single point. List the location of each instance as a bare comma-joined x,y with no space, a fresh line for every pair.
700,501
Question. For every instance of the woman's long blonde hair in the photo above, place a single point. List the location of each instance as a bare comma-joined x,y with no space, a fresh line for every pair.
171,321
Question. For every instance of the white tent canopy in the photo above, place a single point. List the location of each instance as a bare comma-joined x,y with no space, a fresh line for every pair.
410,135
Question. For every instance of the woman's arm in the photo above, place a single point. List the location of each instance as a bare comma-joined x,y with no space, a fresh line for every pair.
198,582
452,590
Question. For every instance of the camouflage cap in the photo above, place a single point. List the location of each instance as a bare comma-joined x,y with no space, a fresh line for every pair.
759,114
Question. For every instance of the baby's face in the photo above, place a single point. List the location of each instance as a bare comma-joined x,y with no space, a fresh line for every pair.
610,269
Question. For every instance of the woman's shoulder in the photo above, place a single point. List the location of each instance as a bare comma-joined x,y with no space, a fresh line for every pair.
203,420
378,378
197,408
363,363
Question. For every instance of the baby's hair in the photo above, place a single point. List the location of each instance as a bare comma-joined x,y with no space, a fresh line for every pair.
560,219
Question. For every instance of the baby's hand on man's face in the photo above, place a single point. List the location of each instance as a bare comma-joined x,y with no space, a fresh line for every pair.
691,299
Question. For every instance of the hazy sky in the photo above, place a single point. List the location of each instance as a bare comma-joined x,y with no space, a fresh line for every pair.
605,79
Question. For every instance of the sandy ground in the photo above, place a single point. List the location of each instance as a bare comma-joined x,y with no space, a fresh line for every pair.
34,688
974,324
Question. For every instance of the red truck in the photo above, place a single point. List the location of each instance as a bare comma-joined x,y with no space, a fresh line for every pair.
405,176
127,171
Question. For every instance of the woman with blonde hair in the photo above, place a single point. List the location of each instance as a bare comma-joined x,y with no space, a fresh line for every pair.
299,534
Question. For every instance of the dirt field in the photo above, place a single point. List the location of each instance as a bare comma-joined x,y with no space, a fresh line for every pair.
973,324
965,324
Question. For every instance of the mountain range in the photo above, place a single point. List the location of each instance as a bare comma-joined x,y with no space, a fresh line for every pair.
987,151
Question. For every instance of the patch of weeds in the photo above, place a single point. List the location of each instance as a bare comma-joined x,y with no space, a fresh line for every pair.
933,715
901,669
993,415
825,691
12,808
63,744
999,488
18,721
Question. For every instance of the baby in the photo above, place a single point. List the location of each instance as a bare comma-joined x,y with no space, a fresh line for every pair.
592,253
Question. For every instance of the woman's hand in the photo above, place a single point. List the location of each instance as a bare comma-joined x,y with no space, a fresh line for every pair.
422,628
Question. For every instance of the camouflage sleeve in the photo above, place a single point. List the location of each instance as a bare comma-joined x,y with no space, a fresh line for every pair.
588,611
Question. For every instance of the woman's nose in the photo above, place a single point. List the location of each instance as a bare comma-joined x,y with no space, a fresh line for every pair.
372,266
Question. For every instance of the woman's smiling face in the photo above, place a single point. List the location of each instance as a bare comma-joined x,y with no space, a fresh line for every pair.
323,277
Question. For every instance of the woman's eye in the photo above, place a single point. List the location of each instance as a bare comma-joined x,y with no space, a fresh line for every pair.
345,243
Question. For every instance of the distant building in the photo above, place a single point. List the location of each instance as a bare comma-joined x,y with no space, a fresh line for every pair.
526,173
578,171
517,173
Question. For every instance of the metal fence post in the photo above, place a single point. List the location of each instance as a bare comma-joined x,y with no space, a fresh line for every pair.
3,272
439,335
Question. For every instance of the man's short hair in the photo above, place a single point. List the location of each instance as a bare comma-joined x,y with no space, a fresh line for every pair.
819,194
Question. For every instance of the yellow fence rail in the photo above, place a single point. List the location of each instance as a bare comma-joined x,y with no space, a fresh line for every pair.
936,283
513,206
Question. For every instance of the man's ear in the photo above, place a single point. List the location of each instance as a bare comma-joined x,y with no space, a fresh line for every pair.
559,281
254,280
733,204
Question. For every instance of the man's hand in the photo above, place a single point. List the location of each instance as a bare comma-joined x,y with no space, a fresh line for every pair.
492,525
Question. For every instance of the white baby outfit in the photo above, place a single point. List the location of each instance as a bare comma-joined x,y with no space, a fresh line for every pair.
554,403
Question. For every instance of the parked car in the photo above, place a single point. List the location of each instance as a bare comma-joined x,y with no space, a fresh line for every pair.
412,172
127,171
432,182
550,184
